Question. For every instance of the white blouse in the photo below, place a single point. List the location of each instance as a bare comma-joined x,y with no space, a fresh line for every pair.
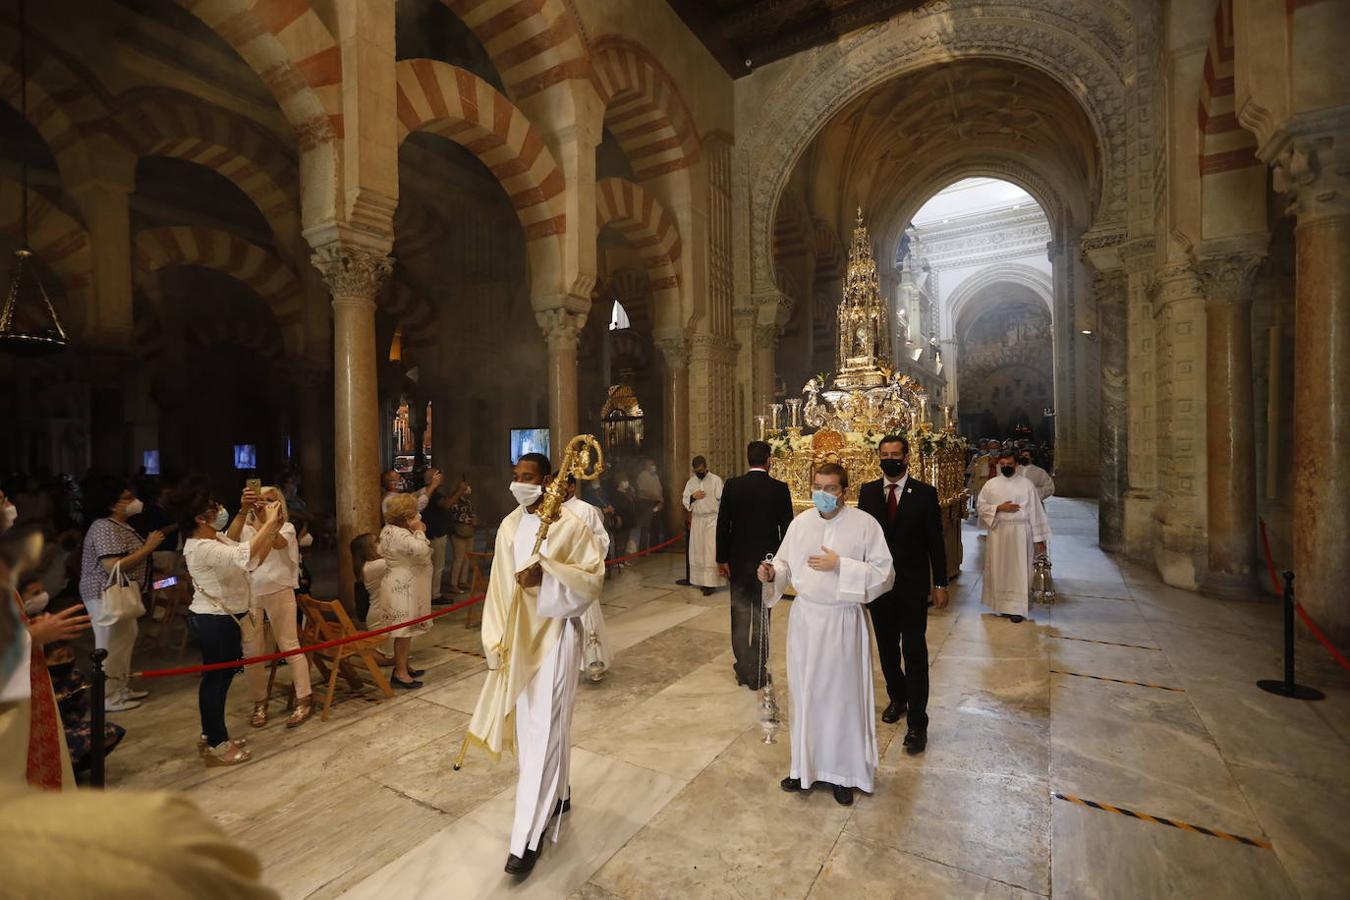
281,569
219,570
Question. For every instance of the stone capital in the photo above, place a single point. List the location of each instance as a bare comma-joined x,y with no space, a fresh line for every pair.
772,308
673,346
1313,171
352,273
1227,268
1137,255
1173,283
766,337
561,327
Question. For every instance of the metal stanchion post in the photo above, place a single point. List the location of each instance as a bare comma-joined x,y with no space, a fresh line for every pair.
1288,687
97,718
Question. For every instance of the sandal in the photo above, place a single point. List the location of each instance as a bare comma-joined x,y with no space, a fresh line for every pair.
227,754
259,717
304,708
204,746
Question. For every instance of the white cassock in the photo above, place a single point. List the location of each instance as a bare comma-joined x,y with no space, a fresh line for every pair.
979,474
593,619
703,529
544,709
1045,485
829,650
1009,549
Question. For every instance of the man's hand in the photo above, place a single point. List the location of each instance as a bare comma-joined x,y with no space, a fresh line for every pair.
699,495
531,577
154,539
1040,546
724,570
765,572
940,598
63,626
1008,506
827,561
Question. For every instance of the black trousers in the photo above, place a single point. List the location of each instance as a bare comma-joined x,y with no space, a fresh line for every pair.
219,639
901,628
747,606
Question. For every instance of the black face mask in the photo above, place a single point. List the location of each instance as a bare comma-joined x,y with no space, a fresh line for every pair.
1008,471
700,475
893,468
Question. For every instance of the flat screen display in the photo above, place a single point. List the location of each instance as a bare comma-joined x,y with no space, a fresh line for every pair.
150,462
246,456
528,440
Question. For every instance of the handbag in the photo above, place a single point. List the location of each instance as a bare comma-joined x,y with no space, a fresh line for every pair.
121,599
464,530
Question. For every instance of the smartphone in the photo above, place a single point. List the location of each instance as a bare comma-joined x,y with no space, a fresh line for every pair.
165,582
254,485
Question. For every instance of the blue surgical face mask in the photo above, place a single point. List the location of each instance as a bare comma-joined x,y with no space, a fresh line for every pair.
222,519
824,501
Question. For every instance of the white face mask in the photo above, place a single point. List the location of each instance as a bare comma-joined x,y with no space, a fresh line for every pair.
222,519
36,603
526,494
8,513
306,540
135,507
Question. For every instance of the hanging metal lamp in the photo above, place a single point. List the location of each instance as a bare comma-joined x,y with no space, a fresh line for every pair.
26,291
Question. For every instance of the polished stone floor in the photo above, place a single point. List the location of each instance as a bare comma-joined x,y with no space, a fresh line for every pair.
676,795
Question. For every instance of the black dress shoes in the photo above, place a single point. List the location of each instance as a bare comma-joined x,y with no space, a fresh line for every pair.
915,741
708,592
682,582
563,806
892,713
791,784
405,685
843,795
520,866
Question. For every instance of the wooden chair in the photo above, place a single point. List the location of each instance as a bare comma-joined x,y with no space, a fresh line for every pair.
481,564
327,620
172,602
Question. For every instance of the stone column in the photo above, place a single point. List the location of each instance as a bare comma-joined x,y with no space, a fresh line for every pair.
766,347
561,329
1112,329
1230,438
355,275
1315,171
312,384
675,401
107,212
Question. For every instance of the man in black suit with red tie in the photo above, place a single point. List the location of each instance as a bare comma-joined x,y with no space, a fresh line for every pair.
755,513
909,514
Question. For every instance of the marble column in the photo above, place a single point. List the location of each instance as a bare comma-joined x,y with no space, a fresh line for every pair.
561,328
675,402
766,348
1112,330
1315,171
1230,437
355,275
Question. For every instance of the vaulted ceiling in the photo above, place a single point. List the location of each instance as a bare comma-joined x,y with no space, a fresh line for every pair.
743,34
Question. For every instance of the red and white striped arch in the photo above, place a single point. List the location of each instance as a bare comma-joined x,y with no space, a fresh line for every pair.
166,123
442,99
1225,145
533,43
415,316
644,109
649,228
265,273
294,53
59,240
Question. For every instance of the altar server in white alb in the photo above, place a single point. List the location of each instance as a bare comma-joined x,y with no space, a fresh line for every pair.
593,619
532,641
703,498
1010,507
837,559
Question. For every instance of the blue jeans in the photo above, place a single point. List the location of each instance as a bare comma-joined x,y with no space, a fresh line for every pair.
219,639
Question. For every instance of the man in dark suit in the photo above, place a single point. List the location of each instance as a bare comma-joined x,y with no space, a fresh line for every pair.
755,513
908,512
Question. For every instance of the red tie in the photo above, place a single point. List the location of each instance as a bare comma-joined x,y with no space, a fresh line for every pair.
892,503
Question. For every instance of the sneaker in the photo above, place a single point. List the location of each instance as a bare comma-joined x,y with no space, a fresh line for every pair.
136,695
120,704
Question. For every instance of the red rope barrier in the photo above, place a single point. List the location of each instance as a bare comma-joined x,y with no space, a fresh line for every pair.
336,642
1298,607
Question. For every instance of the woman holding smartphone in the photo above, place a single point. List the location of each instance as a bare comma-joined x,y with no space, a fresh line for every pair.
272,587
405,590
220,599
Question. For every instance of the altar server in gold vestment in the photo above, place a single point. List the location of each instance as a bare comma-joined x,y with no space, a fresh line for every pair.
1010,507
532,640
837,559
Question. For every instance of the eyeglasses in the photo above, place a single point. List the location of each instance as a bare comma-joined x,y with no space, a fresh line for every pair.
828,488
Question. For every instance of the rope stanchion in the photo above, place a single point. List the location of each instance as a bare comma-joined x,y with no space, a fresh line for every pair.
1316,632
337,642
98,692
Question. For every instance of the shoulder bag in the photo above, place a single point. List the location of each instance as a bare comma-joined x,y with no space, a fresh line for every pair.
121,599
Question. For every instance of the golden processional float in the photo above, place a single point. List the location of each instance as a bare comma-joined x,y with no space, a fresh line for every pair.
841,420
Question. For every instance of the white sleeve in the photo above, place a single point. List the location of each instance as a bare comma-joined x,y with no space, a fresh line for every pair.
557,601
687,498
782,572
1040,524
863,580
987,509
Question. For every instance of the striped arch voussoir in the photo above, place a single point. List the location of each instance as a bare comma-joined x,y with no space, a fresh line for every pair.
456,104
58,239
268,275
644,109
1224,144
533,43
415,316
635,214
